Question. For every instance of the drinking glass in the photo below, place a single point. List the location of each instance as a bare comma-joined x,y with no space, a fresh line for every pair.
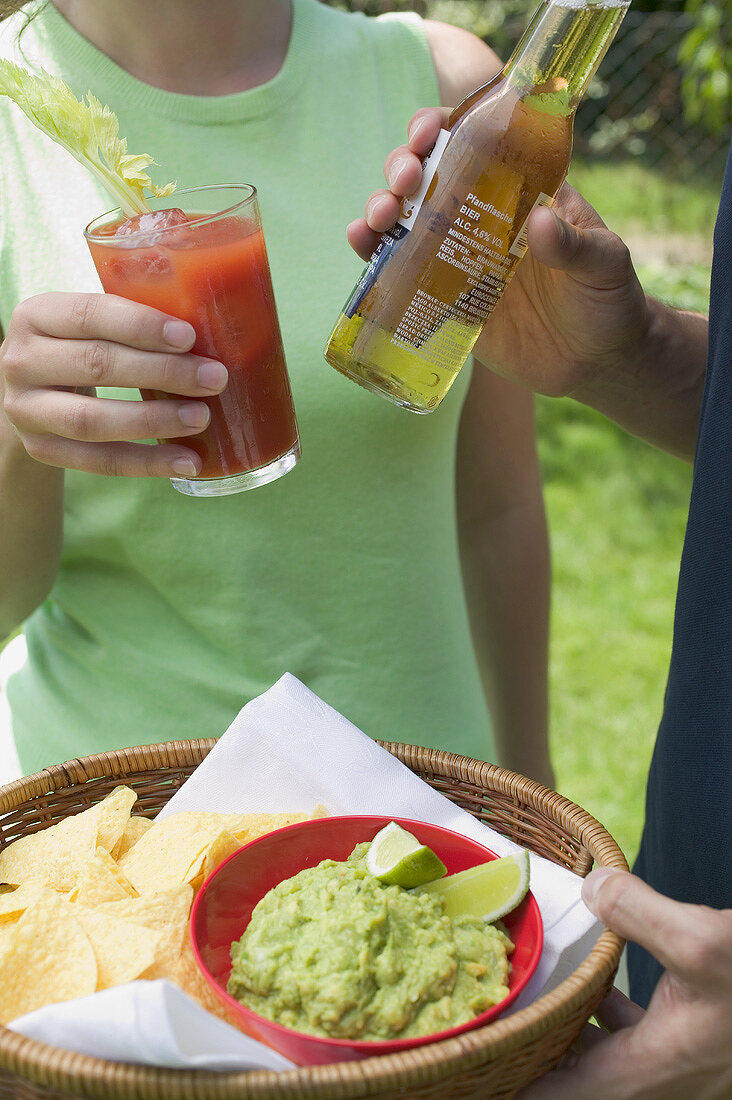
200,255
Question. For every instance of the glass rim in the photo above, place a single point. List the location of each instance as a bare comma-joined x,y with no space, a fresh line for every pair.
110,215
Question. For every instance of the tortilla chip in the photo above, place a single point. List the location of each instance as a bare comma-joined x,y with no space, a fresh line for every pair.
134,829
158,909
174,849
248,827
6,931
221,847
100,879
164,855
45,959
73,919
123,949
55,855
165,912
15,902
113,813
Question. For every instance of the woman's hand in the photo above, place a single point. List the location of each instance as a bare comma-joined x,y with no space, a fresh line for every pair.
574,309
59,347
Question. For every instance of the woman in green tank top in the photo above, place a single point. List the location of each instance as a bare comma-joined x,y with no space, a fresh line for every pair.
148,616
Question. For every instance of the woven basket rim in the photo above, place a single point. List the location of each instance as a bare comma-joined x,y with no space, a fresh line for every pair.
79,1073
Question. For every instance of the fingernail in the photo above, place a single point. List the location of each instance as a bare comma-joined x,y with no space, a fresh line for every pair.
593,882
394,171
184,467
194,415
179,334
414,128
212,375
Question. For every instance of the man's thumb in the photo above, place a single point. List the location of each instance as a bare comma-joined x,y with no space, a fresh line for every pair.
670,930
594,256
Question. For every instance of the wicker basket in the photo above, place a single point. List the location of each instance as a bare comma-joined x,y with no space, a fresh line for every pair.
490,1062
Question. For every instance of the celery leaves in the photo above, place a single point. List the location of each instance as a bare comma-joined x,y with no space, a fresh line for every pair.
88,130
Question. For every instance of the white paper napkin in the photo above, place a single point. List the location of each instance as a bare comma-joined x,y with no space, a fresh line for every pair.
152,1023
288,750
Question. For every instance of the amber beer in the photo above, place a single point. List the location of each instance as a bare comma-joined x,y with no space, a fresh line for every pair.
421,302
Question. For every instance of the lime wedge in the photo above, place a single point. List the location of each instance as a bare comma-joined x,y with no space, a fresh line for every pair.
396,858
489,890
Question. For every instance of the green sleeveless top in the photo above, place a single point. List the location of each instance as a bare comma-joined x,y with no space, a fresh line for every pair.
169,613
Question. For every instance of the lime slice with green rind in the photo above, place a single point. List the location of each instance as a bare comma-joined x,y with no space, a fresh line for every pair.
490,890
397,858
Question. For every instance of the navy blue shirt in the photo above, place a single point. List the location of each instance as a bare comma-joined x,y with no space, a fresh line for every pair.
686,851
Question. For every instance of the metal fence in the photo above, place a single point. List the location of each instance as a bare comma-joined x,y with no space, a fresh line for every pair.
634,108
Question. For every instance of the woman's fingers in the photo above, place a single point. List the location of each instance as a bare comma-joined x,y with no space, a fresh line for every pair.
102,317
402,171
403,166
424,127
76,416
60,347
382,210
115,459
361,238
100,362
363,234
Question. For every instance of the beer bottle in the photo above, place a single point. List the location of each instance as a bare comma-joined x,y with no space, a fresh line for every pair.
420,304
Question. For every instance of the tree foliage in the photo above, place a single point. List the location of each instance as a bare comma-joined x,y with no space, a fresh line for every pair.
706,59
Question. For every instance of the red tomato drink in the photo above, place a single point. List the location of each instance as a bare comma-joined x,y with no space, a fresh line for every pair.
212,271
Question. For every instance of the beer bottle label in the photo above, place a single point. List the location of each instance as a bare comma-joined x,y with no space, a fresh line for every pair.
521,243
411,206
392,239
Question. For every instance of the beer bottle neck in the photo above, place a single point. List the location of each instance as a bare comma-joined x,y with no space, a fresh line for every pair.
563,46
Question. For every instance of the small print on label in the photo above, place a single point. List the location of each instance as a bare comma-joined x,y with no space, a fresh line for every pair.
519,246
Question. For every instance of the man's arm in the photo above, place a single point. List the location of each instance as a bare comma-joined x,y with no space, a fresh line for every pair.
652,385
504,550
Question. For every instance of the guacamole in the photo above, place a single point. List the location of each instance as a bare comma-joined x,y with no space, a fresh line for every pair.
334,952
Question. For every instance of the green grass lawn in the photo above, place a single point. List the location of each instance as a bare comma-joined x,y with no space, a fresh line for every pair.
634,198
684,287
617,512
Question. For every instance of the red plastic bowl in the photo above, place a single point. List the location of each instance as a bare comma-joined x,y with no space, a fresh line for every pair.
224,905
